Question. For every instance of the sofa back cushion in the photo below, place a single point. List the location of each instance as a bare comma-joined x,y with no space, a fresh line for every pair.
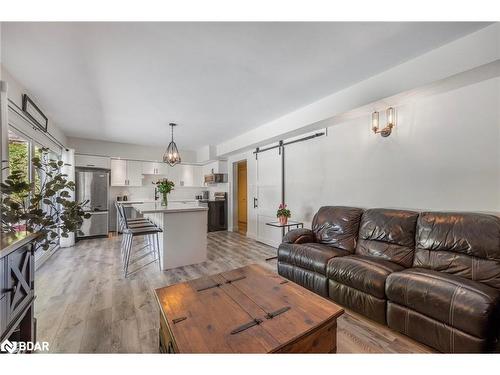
337,226
463,244
388,234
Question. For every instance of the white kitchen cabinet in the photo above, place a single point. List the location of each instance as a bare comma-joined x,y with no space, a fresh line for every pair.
134,173
163,169
198,176
92,161
126,172
155,168
118,172
186,178
185,175
174,174
149,167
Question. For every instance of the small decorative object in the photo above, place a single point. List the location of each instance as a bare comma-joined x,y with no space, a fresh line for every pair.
387,130
164,186
45,206
171,155
283,214
34,113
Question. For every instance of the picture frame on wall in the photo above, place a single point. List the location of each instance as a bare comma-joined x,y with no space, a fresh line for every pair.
34,113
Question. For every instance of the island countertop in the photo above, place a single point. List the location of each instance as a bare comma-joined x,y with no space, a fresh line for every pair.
172,207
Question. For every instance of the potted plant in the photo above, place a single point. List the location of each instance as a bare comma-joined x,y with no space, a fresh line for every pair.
165,186
43,206
283,214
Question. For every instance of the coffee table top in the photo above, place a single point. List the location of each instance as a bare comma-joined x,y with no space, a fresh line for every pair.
218,314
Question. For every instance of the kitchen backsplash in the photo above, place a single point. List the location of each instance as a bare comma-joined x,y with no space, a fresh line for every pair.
147,191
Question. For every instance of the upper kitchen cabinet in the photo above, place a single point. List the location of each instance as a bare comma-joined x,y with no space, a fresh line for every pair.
134,173
118,172
150,167
184,175
187,175
126,172
197,175
92,161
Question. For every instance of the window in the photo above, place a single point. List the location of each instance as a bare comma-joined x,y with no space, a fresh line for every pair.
19,159
21,150
19,154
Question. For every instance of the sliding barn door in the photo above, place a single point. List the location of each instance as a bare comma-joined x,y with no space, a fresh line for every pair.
268,196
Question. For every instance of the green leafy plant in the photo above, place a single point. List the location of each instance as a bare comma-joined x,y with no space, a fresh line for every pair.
45,207
283,211
164,185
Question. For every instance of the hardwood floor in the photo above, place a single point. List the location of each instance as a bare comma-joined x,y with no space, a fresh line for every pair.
85,305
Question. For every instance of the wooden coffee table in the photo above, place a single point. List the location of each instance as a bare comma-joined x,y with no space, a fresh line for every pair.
246,310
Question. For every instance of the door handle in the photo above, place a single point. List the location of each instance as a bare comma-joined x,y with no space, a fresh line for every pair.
255,203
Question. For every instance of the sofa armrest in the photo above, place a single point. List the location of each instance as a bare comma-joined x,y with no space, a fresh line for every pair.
301,235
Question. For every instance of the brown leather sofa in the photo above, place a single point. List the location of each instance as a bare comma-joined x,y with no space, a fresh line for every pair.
433,276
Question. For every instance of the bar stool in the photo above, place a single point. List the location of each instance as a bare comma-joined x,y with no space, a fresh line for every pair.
133,223
138,228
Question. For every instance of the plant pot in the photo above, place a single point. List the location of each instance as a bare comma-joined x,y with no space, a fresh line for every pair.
164,201
283,220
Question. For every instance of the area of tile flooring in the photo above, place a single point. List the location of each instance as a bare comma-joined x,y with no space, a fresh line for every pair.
85,305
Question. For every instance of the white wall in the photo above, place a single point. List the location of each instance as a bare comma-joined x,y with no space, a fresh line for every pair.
444,154
15,90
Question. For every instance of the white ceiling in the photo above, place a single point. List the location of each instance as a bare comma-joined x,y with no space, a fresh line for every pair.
125,82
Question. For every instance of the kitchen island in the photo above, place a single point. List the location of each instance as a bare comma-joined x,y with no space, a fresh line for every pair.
184,238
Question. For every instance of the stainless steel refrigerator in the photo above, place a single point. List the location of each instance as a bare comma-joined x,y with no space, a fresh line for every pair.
92,186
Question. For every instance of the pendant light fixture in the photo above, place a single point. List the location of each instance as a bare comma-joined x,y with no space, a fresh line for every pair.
172,156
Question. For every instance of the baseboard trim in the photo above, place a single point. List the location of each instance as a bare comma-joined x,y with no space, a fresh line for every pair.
44,257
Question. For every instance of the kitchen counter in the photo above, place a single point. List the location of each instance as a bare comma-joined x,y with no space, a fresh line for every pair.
138,201
183,240
172,207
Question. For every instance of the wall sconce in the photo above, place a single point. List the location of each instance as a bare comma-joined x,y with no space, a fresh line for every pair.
387,130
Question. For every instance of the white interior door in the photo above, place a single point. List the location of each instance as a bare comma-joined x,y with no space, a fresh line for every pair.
268,196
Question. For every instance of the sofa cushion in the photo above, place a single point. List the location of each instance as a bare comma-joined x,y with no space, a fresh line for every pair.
337,226
308,279
434,333
456,301
366,274
463,244
358,301
388,234
310,256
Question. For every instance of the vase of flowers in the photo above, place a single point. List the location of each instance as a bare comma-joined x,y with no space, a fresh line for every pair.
164,186
283,214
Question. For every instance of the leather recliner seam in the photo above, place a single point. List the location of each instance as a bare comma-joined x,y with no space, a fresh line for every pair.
454,284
